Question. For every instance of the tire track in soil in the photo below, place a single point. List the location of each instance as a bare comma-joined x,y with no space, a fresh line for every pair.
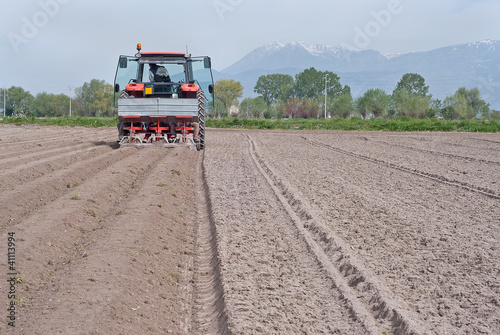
365,295
431,176
419,237
95,174
436,153
209,309
116,277
273,284
488,141
459,145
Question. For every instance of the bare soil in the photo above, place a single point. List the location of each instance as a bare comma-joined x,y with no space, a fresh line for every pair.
264,232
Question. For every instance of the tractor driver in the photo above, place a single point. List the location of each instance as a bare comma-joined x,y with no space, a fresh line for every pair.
158,73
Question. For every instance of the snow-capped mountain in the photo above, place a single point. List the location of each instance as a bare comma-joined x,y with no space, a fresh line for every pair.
292,55
445,69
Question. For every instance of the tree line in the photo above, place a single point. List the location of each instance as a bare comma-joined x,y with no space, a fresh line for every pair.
94,98
303,96
279,96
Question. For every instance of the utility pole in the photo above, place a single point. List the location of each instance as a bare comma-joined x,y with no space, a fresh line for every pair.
4,99
326,90
69,100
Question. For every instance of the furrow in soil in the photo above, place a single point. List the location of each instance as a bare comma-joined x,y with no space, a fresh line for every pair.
368,297
435,177
118,256
434,246
272,281
209,310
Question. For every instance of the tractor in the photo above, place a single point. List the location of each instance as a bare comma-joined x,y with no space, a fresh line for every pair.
163,98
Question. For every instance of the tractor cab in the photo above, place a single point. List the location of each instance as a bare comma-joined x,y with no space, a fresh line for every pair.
163,74
163,97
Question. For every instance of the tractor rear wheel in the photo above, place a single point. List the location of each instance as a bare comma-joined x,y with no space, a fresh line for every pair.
121,133
201,119
124,94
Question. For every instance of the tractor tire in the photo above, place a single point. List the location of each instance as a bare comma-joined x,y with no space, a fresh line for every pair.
124,94
200,95
120,131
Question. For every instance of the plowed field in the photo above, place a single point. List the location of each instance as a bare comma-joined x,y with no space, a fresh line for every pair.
264,232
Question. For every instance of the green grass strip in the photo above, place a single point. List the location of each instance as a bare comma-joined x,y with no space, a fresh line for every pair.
68,121
403,124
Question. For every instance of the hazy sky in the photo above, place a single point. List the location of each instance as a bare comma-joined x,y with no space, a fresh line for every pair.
48,45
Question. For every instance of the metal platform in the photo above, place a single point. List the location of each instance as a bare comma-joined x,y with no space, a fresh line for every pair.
158,107
126,142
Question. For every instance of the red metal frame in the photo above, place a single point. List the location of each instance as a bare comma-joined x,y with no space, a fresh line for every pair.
184,130
131,129
184,127
157,129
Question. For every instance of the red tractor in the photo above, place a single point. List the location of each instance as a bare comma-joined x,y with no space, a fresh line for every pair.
163,97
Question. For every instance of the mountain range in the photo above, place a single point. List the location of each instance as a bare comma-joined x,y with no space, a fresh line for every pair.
445,69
